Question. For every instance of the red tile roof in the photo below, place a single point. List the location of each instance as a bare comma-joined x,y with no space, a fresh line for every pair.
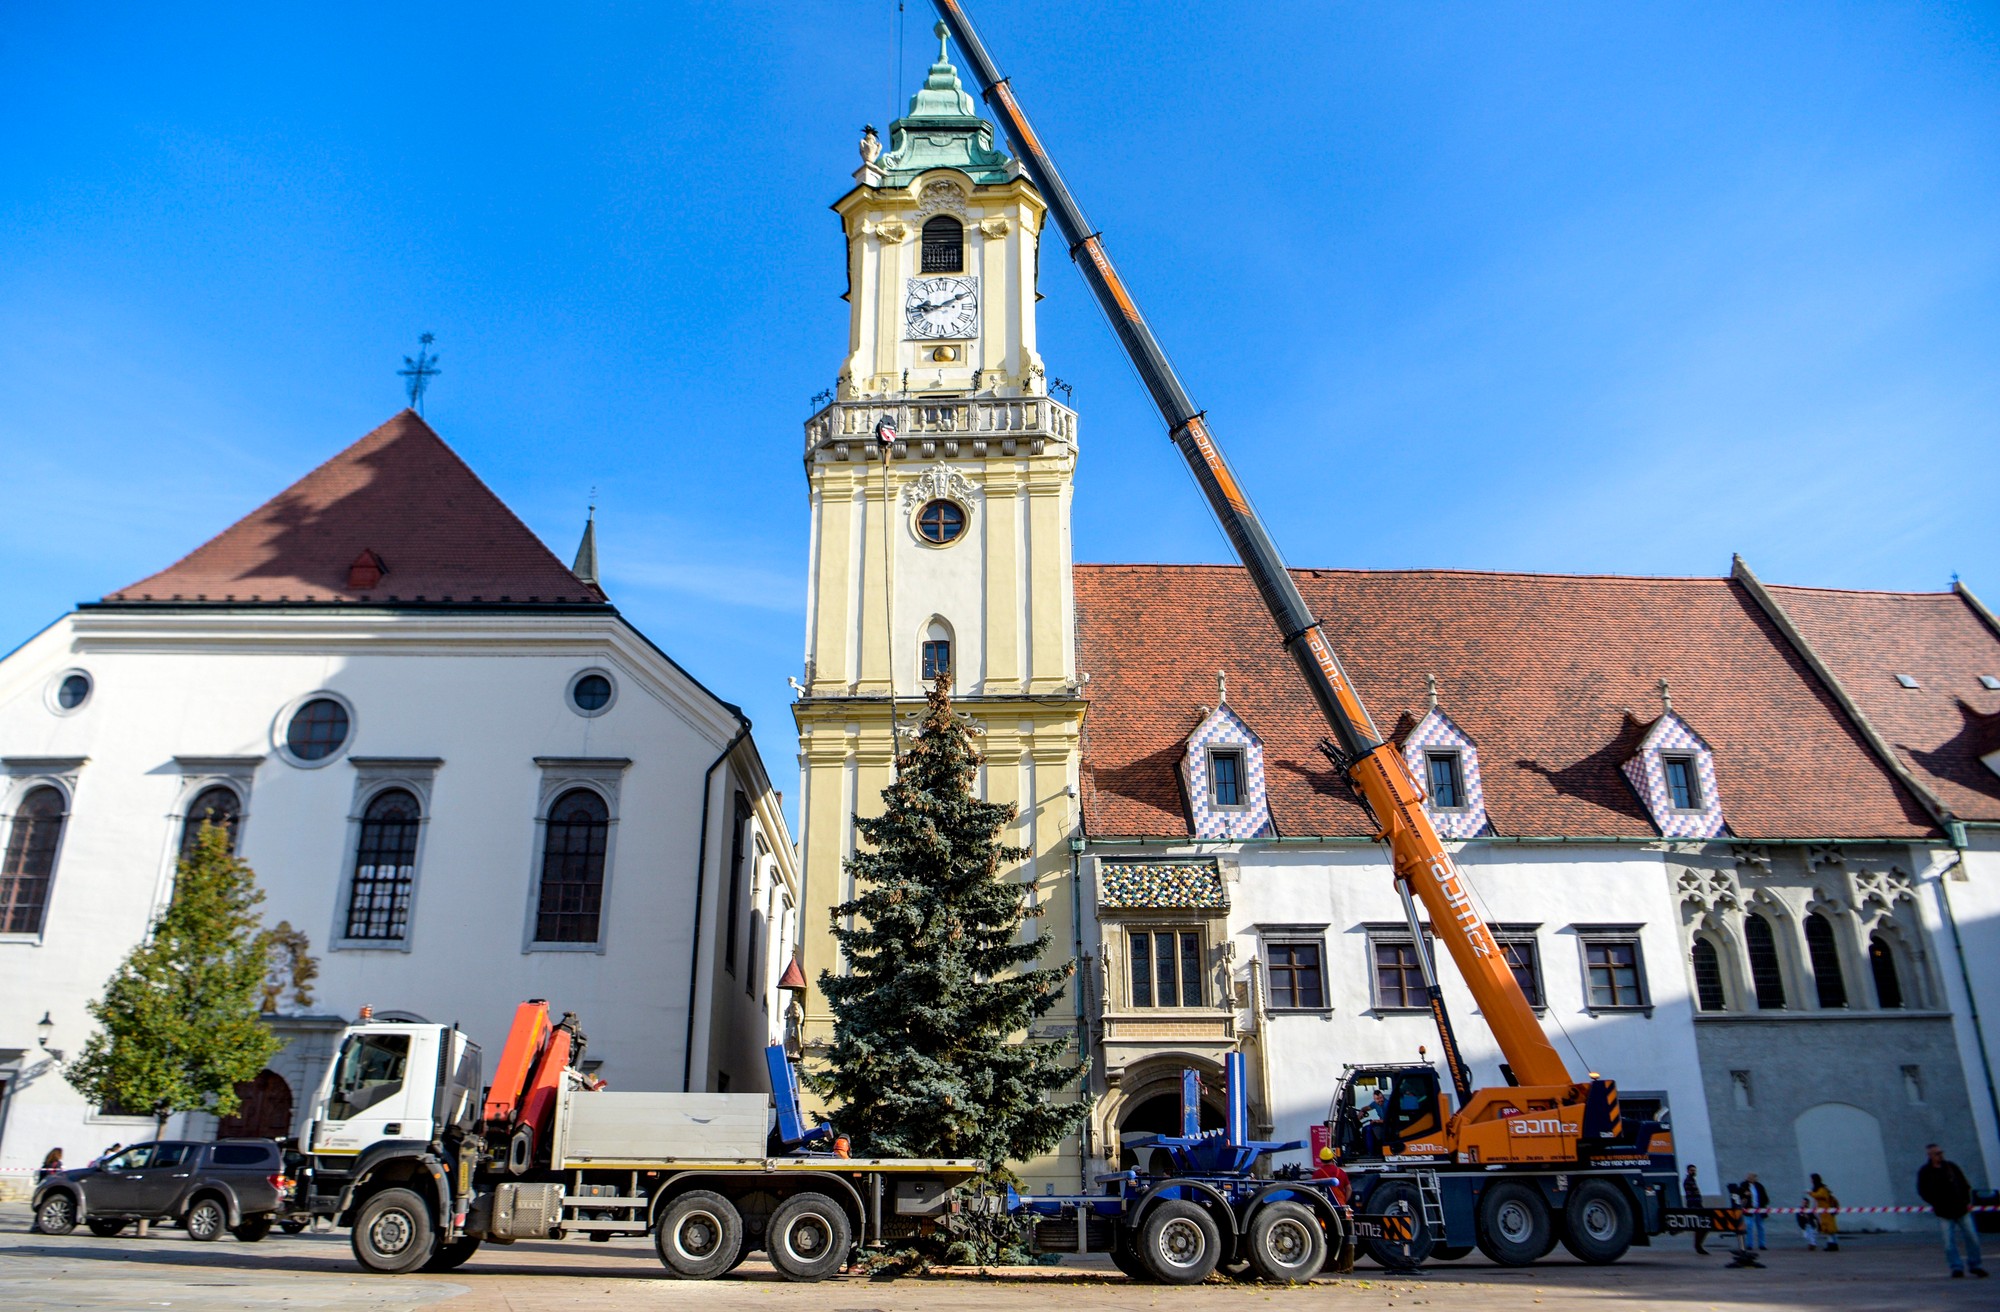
1551,676
1940,728
399,493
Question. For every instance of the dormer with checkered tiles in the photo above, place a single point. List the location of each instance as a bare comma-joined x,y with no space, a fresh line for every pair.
1446,762
1223,771
1674,774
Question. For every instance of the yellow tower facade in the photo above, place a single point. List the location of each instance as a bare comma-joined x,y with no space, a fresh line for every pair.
948,545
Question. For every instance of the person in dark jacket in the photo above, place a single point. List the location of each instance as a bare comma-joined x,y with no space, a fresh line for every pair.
1756,1198
1941,1184
1691,1197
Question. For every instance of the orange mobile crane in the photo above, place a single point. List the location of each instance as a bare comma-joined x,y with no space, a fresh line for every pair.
1545,1119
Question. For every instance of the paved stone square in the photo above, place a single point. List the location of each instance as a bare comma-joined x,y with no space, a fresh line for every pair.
1894,1273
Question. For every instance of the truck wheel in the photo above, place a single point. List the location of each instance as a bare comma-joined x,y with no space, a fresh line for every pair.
1286,1243
1126,1258
1598,1222
205,1220
452,1256
252,1229
1391,1207
699,1235
106,1229
808,1238
1514,1224
393,1232
56,1215
1179,1243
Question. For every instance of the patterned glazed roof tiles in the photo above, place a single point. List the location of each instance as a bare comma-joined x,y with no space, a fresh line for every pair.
1549,674
1162,886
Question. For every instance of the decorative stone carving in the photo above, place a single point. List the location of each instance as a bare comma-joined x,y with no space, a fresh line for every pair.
994,227
940,197
1824,854
1875,893
1705,892
1752,855
871,145
939,481
891,232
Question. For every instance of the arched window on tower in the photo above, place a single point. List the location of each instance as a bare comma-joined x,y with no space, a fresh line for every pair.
217,805
944,246
1888,980
1827,983
1767,976
1708,991
937,650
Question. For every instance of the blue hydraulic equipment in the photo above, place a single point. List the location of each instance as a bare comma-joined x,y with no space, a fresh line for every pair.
1228,1151
793,1132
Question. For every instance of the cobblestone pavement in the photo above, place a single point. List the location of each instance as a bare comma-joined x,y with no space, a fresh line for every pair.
167,1270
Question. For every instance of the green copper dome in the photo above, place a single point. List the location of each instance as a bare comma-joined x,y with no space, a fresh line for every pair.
942,131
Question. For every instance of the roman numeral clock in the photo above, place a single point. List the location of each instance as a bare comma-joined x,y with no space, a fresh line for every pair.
941,308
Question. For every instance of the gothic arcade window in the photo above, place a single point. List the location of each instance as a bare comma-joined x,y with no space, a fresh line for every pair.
317,729
1888,982
941,521
1767,976
1166,968
30,865
1709,994
944,246
1297,981
1447,780
385,868
573,847
216,805
1827,983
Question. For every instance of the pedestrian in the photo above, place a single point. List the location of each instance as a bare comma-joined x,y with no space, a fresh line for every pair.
1824,1209
51,1165
1691,1197
1756,1201
1746,1255
1941,1184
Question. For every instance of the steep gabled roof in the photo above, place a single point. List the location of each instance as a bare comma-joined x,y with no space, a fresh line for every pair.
438,533
1940,728
1549,675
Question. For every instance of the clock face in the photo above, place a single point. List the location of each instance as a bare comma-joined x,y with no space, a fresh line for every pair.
942,307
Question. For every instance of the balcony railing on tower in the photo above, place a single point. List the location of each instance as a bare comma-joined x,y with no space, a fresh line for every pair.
974,426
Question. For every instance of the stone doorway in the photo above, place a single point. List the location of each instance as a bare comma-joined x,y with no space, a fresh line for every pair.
266,1112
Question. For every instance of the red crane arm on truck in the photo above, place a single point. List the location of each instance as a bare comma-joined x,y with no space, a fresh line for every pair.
1375,768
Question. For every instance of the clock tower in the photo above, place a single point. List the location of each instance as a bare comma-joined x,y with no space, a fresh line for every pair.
948,546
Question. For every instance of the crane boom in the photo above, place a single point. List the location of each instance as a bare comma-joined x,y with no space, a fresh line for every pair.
1376,768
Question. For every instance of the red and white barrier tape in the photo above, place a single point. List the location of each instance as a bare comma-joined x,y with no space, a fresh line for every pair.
1819,1211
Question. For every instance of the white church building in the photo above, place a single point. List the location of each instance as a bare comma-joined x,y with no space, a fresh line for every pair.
453,765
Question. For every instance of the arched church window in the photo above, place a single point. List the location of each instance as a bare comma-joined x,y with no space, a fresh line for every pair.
573,848
941,521
1827,983
30,866
1888,982
936,650
944,246
216,805
1709,994
385,867
1767,976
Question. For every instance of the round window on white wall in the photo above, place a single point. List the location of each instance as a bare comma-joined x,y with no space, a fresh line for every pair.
70,691
314,730
591,692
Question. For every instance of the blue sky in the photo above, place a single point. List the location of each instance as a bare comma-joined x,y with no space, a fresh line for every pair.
1584,287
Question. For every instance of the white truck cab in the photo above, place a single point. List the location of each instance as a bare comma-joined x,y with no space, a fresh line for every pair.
395,1080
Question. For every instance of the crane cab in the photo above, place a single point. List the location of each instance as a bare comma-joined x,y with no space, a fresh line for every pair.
1389,1111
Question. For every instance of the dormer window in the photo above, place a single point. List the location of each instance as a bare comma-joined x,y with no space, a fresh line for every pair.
944,246
1447,780
1683,782
1223,770
1443,758
1225,777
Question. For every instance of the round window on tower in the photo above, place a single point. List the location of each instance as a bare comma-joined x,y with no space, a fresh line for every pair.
941,522
591,692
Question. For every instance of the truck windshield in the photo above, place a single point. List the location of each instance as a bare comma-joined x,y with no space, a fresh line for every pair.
371,1069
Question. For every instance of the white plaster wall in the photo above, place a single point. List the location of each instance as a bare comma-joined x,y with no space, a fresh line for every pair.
485,694
948,581
1972,890
1349,888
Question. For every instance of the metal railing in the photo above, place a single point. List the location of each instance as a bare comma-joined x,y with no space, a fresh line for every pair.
979,420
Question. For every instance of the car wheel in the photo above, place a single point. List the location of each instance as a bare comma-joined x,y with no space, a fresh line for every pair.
392,1232
699,1235
1179,1243
104,1229
1514,1224
1287,1244
809,1237
56,1215
1598,1222
205,1220
452,1256
252,1229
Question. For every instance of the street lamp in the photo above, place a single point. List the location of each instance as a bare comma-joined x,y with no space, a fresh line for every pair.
43,1029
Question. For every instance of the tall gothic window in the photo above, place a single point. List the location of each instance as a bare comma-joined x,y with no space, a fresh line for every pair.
30,866
385,868
1767,976
1827,983
217,805
944,246
735,883
1708,991
572,892
1882,965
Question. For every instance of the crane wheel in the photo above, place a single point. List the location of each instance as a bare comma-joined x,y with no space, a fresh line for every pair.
1287,1244
1598,1222
1397,1199
1126,1258
699,1235
1180,1243
809,1237
1514,1224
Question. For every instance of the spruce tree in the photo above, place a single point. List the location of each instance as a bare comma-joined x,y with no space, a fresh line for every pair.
929,1055
177,1025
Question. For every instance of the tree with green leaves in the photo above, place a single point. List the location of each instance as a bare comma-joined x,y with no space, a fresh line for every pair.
929,1057
177,1025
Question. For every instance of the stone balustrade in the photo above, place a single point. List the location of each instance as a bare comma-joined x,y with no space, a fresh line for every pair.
971,427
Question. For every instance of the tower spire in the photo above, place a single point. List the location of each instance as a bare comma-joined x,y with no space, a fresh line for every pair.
585,567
